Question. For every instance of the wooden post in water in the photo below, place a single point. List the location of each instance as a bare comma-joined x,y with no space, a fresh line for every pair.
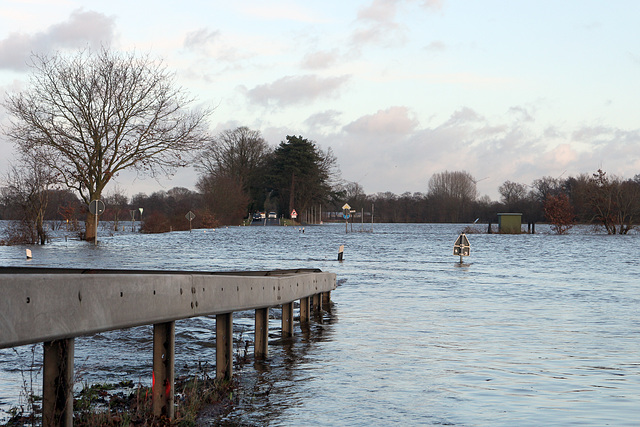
224,346
287,319
57,385
326,299
163,369
261,346
305,309
316,302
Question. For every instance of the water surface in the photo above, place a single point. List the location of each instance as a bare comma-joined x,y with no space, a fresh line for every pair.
529,330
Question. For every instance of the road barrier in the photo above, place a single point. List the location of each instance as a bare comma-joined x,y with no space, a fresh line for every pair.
53,306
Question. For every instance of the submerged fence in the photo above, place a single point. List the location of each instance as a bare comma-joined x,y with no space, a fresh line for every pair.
53,306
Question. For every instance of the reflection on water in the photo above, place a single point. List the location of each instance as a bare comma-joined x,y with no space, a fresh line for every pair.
529,330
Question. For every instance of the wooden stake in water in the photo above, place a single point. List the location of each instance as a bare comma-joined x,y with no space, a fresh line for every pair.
340,252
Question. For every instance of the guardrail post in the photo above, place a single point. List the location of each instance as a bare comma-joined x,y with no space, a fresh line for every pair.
57,387
261,349
317,302
326,300
224,345
305,309
287,319
163,369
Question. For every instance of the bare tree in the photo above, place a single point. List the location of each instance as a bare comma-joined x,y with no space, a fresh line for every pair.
453,192
117,202
96,113
238,156
512,193
458,185
28,184
234,153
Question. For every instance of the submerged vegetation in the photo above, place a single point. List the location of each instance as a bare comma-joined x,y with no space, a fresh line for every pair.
128,404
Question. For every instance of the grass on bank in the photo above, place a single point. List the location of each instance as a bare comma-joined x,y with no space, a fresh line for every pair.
126,404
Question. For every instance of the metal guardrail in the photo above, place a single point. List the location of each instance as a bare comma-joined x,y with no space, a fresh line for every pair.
55,305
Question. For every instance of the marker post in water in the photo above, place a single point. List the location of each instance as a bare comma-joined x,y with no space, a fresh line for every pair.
462,246
340,252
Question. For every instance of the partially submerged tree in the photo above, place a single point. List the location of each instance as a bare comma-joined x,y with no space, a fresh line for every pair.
559,213
96,113
234,158
28,184
615,203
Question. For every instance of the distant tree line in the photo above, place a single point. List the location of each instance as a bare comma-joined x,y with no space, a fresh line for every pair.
451,197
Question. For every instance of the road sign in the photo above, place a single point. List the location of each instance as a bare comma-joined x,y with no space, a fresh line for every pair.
294,214
96,207
190,216
462,246
346,207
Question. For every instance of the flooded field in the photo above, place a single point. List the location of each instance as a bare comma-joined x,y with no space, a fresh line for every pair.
529,330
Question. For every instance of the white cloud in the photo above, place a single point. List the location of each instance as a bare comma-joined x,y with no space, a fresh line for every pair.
378,25
200,39
324,119
292,90
320,59
81,29
394,120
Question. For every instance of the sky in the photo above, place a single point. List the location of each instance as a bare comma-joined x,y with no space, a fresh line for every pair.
509,90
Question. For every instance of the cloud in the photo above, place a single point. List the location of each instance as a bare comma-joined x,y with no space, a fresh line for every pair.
522,113
320,59
394,120
324,119
292,90
378,25
380,11
199,40
433,4
389,151
81,29
436,46
463,116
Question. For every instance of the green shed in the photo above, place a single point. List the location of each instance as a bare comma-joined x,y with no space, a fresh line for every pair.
510,223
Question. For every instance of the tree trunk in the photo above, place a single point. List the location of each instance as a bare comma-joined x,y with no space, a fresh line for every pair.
90,227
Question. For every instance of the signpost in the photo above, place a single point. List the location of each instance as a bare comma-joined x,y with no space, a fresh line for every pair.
96,207
462,246
190,217
346,213
294,214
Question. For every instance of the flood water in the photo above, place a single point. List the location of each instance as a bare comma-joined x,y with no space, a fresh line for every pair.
530,330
